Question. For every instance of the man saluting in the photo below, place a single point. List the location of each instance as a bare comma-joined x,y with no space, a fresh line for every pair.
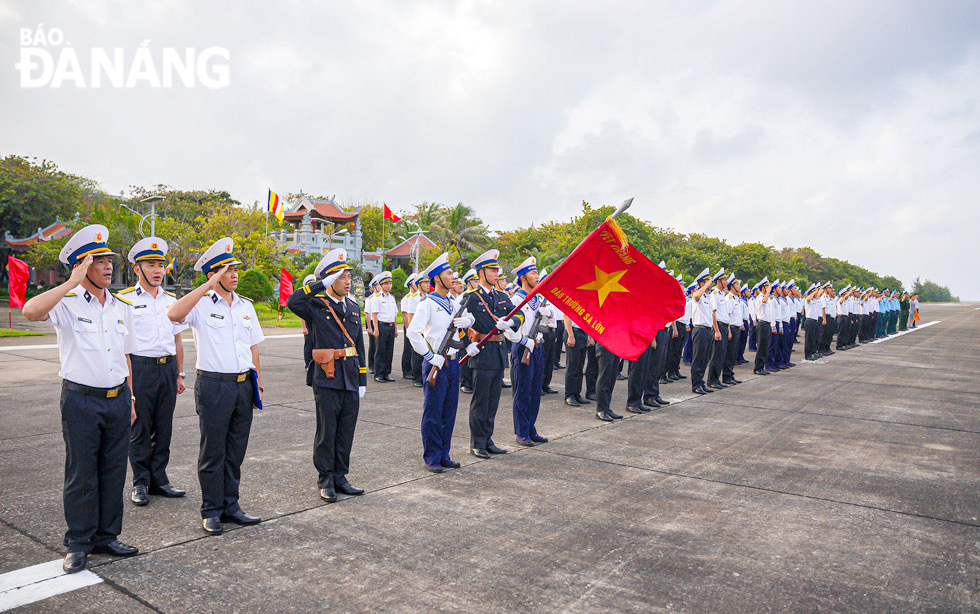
92,325
339,370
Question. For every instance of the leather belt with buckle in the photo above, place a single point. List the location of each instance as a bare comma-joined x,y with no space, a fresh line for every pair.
227,377
161,360
105,393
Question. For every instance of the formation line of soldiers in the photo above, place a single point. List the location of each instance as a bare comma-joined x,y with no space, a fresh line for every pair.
122,364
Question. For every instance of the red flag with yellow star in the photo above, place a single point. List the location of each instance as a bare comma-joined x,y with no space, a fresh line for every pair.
613,292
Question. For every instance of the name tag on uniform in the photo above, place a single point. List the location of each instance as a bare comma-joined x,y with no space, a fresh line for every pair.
218,316
140,306
86,320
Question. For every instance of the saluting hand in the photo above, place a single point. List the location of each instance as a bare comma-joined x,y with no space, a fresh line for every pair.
218,277
79,272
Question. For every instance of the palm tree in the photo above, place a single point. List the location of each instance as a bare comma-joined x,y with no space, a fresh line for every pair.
457,229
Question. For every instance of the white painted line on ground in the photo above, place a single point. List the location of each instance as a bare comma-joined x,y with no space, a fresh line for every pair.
51,346
910,330
30,584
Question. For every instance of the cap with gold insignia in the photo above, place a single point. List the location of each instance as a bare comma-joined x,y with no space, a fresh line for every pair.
150,248
308,279
384,276
486,260
718,275
705,274
331,266
471,274
218,255
410,280
91,240
731,280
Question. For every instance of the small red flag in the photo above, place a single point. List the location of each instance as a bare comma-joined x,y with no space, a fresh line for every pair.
391,216
17,275
285,286
618,296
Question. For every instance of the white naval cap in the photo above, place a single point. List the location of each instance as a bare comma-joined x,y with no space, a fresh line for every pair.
91,240
471,274
410,280
530,264
663,265
150,248
218,255
705,274
309,279
487,259
718,275
440,264
731,279
331,266
384,276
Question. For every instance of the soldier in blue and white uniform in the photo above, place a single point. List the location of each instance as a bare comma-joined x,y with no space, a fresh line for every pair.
229,381
434,318
156,354
96,411
527,378
337,370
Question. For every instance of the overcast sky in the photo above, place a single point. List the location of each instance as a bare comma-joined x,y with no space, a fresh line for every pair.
850,127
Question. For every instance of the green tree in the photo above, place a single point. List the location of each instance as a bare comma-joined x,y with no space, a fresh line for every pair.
398,289
33,194
254,284
458,232
931,292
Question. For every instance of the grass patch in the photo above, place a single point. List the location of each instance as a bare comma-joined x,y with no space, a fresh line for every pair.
6,332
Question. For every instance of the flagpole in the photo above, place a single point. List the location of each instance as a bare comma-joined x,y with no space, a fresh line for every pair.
534,291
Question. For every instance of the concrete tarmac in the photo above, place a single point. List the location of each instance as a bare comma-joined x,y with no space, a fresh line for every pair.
849,484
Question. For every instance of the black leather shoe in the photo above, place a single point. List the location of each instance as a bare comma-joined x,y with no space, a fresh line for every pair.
167,491
661,401
680,376
620,377
448,464
380,380
495,449
212,526
241,518
116,548
605,416
731,382
549,390
435,468
615,415
539,439
139,496
477,452
527,443
74,562
328,494
349,489
652,402
664,380
389,379
572,402
582,401
591,396
418,384
634,410
705,389
717,385
700,390
466,390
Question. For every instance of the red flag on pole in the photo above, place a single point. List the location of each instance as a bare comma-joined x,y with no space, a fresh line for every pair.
391,216
285,286
17,275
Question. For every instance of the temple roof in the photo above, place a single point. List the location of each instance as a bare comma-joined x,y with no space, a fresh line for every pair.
404,249
320,209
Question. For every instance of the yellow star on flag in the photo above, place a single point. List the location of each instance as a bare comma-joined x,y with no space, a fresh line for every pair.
605,283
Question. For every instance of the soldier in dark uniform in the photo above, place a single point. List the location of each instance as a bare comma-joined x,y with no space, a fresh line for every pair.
465,371
488,306
339,371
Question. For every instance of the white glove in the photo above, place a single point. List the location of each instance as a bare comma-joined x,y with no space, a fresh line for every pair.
539,338
472,350
546,312
361,390
437,361
529,343
505,324
451,353
465,320
512,335
553,324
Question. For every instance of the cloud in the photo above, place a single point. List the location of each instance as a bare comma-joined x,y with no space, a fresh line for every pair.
849,127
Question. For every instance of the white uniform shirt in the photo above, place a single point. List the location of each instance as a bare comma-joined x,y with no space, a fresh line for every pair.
410,302
831,307
386,308
224,334
688,311
719,306
432,318
92,338
153,332
701,311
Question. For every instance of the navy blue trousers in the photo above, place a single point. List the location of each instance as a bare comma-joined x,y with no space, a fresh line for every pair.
439,411
527,389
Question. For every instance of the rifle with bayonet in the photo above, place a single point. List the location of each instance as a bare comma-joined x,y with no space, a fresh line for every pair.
449,341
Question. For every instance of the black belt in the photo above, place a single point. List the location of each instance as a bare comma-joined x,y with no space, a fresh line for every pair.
386,323
105,393
702,326
227,377
162,360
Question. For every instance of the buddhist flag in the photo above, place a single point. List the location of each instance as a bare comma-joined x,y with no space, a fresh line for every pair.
391,216
285,286
17,275
275,205
618,296
170,267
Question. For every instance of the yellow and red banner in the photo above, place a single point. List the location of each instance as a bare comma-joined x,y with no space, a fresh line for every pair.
275,205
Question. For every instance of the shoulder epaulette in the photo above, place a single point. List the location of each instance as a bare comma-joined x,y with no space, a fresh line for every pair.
71,294
122,299
246,298
173,294
127,290
469,291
